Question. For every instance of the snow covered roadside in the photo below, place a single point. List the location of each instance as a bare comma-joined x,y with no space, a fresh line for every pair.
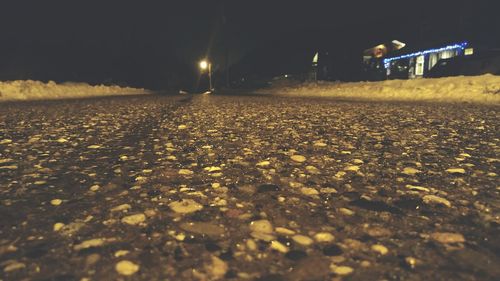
483,89
35,90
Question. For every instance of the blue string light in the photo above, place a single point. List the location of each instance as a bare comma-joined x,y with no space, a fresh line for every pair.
461,46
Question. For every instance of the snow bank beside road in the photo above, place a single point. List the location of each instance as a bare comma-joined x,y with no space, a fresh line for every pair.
474,89
35,90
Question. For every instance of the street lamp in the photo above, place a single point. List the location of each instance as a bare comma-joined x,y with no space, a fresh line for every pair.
206,65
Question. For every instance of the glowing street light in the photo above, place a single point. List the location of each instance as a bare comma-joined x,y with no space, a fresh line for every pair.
203,64
206,65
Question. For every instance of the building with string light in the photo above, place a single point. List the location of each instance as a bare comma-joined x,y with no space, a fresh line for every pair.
396,61
416,63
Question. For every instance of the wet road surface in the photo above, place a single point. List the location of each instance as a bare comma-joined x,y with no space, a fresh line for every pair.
248,188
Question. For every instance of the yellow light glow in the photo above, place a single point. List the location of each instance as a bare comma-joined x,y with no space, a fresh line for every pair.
398,44
203,64
315,58
469,51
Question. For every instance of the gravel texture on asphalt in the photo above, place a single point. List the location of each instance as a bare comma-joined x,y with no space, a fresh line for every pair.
248,188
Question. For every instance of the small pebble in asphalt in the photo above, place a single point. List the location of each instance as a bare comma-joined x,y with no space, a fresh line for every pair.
185,172
185,206
58,226
120,208
126,268
298,158
456,171
134,219
381,249
13,266
433,199
278,246
324,237
410,171
302,240
447,237
341,270
55,202
411,262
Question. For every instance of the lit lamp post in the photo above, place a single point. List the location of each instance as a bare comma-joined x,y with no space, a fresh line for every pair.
206,65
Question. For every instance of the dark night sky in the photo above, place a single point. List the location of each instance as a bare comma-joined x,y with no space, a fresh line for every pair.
156,43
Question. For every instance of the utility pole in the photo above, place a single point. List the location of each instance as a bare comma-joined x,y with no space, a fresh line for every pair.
210,76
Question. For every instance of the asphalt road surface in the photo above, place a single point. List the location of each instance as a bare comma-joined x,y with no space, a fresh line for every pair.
248,188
